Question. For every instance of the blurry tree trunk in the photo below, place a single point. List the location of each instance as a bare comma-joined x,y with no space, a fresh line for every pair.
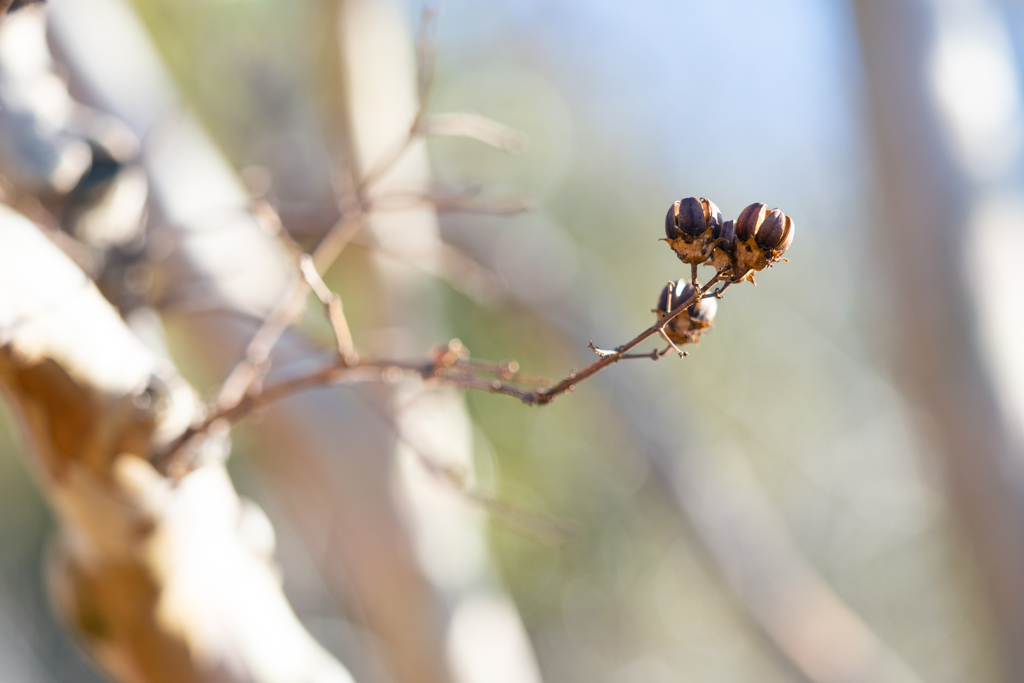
329,451
222,274
161,581
483,638
929,198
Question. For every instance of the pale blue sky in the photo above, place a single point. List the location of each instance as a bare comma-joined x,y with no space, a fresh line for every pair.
772,90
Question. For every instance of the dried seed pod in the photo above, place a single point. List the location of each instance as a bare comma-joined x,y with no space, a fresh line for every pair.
723,256
762,237
776,234
770,234
750,220
693,323
703,312
689,227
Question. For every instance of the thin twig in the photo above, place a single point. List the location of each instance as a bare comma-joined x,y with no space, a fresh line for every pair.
256,363
332,306
545,396
507,370
465,202
539,527
342,233
243,392
718,293
450,264
387,163
354,205
654,354
426,54
476,127
449,365
257,356
672,344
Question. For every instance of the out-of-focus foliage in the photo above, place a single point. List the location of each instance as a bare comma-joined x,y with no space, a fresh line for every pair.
627,108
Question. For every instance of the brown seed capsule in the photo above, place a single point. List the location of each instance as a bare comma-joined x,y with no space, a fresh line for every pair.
762,237
770,234
723,257
693,323
703,312
750,220
689,225
785,240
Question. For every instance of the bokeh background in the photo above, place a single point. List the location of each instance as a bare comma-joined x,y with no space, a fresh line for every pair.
795,405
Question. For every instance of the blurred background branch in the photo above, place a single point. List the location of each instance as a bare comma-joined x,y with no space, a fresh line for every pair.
157,582
944,91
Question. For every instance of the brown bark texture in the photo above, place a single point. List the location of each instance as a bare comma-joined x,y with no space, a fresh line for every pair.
157,578
223,274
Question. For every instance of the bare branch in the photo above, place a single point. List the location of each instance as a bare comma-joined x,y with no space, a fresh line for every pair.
653,355
426,54
354,204
547,395
332,304
465,202
672,344
538,527
479,128
256,363
453,266
94,404
449,364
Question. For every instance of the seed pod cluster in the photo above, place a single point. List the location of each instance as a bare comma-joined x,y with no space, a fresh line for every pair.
754,241
693,323
762,237
690,226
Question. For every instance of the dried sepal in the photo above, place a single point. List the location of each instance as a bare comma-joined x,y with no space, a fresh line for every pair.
693,323
689,228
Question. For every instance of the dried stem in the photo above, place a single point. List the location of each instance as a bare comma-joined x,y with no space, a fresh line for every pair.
654,354
458,202
354,203
536,526
539,527
449,365
426,54
544,396
332,306
672,344
242,392
256,363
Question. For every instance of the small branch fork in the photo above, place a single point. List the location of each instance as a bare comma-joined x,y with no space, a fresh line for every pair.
606,358
448,364
243,391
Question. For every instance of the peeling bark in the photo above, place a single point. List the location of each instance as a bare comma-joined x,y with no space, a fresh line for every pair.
153,577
